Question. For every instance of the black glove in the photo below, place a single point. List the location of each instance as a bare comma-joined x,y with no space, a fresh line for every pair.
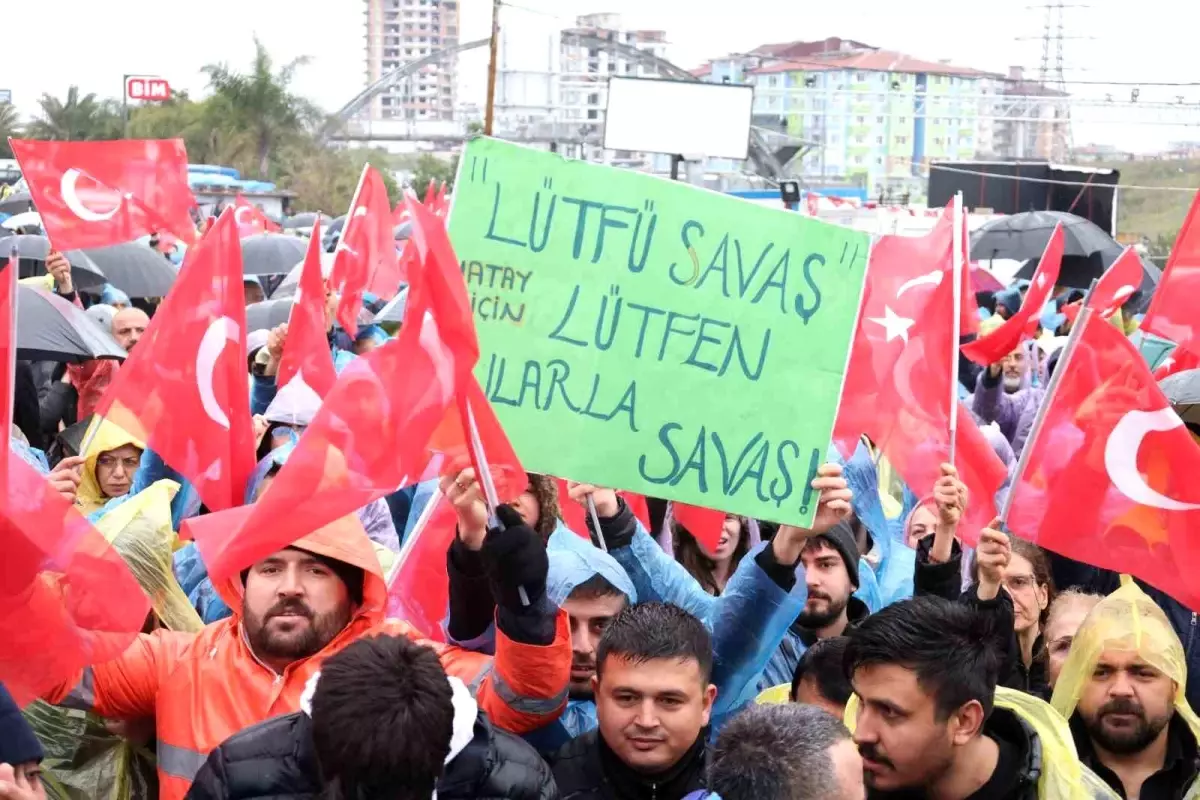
515,560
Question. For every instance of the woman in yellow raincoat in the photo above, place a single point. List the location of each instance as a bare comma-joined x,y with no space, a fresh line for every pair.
112,459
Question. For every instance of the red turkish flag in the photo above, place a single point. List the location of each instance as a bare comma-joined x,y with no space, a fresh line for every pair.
373,433
306,352
366,253
899,381
435,282
1180,359
704,524
251,219
1117,284
440,205
1110,473
968,316
1172,313
368,439
996,345
67,600
419,591
183,389
902,273
95,194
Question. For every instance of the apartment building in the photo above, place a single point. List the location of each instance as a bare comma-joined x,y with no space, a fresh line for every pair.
585,69
399,32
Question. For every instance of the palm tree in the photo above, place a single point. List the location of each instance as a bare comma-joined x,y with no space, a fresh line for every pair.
77,118
261,104
10,125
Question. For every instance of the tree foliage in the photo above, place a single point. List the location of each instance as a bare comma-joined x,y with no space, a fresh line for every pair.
78,117
431,168
252,121
10,125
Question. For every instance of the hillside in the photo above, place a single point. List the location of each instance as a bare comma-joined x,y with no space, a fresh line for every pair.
1155,215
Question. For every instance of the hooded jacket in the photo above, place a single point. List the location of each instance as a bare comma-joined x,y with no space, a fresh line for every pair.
1014,412
90,497
276,759
192,574
202,688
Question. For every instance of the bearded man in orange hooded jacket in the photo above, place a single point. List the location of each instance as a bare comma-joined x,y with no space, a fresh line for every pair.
301,605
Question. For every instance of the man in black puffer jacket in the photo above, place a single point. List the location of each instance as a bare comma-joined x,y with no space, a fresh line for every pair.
381,721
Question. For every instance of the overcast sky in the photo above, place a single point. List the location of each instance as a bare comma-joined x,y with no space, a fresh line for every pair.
93,43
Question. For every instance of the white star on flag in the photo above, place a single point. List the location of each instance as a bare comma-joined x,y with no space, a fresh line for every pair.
895,325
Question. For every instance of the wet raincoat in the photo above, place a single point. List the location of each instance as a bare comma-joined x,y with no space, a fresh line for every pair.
747,620
202,688
1130,620
90,497
84,760
1014,412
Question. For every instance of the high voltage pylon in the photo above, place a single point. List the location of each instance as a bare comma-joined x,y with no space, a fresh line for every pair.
1052,70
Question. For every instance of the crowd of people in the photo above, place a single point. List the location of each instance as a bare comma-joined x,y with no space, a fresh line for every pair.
872,654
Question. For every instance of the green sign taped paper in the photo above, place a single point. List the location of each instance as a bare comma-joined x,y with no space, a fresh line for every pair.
643,334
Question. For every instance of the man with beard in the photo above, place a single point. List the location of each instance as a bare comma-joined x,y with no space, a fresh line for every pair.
302,604
1121,687
831,574
1005,394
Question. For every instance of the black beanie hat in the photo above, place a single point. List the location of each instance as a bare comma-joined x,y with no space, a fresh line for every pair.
841,539
349,574
18,745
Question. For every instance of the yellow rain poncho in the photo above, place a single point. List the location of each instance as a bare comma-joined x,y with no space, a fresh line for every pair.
90,497
1063,776
1126,620
84,761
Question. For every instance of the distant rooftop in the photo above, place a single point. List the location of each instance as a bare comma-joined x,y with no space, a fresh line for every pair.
870,61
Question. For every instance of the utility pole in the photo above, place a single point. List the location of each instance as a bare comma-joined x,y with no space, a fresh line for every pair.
490,113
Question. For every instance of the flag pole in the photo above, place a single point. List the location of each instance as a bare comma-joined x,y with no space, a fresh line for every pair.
597,535
1085,315
10,275
956,269
410,540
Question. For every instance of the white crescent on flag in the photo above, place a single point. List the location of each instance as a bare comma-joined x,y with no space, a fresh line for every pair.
1121,452
69,189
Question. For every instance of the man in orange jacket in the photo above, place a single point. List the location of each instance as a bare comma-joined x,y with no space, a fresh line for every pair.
301,605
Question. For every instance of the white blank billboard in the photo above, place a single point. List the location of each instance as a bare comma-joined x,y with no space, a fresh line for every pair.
678,117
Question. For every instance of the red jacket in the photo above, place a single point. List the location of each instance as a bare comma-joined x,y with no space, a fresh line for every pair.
203,688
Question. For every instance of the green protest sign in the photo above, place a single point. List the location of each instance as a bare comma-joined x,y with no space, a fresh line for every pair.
644,334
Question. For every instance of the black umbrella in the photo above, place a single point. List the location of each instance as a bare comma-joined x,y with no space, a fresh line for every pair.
394,310
271,253
287,287
16,202
32,251
274,312
402,231
1183,390
268,314
51,329
1024,236
136,269
1078,272
305,219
